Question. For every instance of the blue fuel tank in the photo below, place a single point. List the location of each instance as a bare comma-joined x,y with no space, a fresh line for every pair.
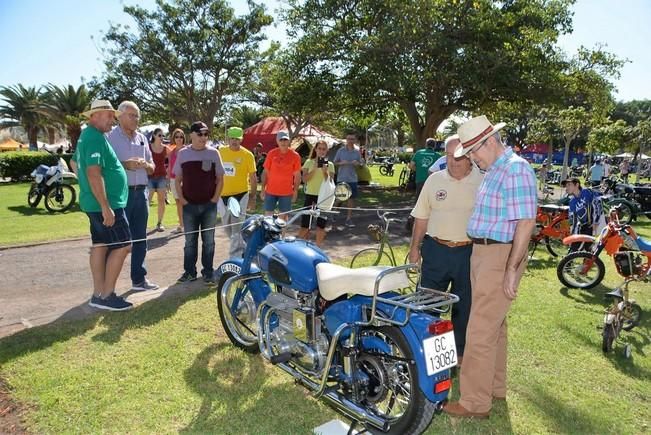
292,263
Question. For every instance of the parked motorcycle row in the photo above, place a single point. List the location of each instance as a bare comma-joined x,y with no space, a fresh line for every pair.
584,269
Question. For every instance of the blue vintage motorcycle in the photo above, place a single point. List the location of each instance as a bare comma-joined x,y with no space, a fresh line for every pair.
376,354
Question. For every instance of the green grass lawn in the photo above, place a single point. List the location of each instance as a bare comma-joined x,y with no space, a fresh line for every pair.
168,367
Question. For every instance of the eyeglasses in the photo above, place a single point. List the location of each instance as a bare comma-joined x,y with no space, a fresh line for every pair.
474,150
284,139
203,134
133,115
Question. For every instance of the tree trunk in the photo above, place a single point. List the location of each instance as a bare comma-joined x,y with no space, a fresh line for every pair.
436,116
566,156
32,136
74,131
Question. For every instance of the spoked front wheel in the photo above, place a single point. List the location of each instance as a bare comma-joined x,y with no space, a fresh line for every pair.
580,270
610,333
393,391
34,196
631,316
60,198
238,311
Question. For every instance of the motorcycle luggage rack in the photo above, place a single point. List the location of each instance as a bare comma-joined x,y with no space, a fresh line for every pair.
422,300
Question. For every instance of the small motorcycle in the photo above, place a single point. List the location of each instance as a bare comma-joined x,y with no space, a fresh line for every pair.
622,315
50,183
386,168
631,254
635,200
379,357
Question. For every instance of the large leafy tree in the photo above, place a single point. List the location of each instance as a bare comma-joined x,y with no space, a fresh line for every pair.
434,57
21,107
184,58
64,106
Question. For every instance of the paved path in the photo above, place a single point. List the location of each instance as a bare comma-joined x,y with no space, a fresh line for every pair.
43,283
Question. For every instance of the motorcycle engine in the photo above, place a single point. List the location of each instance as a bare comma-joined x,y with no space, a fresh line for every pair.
298,330
628,263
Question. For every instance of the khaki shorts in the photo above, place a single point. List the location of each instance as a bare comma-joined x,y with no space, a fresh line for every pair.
173,188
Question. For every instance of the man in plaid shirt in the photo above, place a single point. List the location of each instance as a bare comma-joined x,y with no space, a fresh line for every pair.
499,227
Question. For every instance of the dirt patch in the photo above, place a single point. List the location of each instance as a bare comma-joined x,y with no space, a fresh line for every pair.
10,412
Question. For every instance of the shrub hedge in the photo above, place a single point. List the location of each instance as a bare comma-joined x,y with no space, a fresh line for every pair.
18,165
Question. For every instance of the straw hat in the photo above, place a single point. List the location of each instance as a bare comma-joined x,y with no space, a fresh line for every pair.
99,106
473,132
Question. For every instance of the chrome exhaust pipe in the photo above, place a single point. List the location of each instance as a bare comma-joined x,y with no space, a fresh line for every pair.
341,404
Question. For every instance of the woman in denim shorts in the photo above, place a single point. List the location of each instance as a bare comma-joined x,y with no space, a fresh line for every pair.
158,179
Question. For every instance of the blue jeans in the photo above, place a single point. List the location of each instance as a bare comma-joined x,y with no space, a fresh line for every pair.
196,217
137,211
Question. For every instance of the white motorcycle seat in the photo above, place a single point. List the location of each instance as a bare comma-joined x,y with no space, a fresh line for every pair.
335,280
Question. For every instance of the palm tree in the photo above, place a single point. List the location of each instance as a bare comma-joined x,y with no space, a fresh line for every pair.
64,105
246,116
22,108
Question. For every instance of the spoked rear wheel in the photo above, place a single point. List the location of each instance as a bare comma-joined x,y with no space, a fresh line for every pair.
580,270
555,246
631,316
60,198
393,391
238,320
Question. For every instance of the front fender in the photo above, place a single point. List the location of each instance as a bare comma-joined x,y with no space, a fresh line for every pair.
582,238
258,287
234,265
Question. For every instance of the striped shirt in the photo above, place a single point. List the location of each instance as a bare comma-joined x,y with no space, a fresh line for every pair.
507,194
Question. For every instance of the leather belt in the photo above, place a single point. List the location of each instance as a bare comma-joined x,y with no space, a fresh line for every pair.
138,187
450,243
485,241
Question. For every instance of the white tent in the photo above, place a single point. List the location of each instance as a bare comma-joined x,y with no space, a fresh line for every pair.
624,155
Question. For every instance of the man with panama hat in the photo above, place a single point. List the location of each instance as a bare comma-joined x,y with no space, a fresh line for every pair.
103,197
500,227
240,183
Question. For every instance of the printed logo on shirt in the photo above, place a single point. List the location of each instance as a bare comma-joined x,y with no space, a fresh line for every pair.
427,162
95,156
229,169
441,194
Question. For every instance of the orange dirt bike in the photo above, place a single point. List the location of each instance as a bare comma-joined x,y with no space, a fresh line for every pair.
631,253
552,226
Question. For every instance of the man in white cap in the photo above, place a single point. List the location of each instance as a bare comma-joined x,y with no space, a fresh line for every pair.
103,197
500,227
439,235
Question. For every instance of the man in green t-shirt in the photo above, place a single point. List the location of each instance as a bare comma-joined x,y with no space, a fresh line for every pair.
421,161
103,197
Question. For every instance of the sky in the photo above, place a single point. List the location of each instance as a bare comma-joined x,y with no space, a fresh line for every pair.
58,41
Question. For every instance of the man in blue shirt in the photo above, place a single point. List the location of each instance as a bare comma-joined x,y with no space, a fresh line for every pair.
347,159
585,209
597,172
132,148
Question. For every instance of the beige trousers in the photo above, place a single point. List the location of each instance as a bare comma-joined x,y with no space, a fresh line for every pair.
483,372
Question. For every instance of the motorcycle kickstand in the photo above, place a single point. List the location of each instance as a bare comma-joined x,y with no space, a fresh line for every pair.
351,429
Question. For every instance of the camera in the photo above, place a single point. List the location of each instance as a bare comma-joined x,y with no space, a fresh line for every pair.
321,162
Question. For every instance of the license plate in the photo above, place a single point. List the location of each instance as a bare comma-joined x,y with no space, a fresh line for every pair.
440,352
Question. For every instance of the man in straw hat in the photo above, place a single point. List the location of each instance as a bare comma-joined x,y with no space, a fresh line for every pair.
500,227
103,197
240,183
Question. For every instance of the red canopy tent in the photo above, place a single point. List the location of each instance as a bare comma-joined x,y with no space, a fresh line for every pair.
265,133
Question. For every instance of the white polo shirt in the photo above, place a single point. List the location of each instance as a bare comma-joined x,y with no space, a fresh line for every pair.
447,204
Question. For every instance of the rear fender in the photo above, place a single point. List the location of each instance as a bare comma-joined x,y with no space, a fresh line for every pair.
578,238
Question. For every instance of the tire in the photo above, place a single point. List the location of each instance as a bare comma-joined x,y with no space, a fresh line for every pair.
60,198
608,337
570,273
371,257
555,246
33,196
414,412
384,171
625,213
233,325
402,180
632,317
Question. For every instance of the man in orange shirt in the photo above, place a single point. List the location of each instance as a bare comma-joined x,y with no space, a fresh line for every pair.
281,177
